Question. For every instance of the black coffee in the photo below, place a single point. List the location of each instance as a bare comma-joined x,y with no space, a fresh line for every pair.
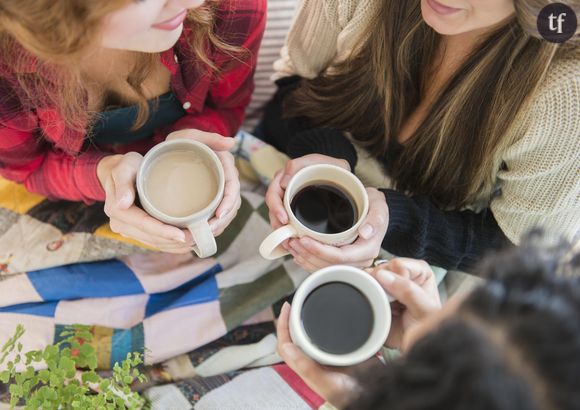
337,317
324,209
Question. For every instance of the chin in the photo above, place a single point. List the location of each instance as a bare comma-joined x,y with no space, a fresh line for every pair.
445,26
161,40
153,41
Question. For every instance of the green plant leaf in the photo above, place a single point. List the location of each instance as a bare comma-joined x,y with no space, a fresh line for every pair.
44,376
68,366
15,390
90,377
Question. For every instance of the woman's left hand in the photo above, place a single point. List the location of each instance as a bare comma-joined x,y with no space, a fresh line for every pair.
336,385
313,255
231,202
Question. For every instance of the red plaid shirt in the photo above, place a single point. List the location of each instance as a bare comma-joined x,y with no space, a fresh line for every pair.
37,150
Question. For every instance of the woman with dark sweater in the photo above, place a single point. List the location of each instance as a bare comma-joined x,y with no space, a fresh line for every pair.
472,116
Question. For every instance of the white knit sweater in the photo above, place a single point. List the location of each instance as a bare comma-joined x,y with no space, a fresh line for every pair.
540,183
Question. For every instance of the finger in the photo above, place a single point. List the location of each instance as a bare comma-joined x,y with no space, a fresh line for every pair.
132,232
123,176
360,251
293,166
274,222
418,301
417,270
142,221
219,225
377,219
282,326
306,250
215,141
232,185
274,199
298,250
305,264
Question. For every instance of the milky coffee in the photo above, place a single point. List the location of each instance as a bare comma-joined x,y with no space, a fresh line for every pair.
180,183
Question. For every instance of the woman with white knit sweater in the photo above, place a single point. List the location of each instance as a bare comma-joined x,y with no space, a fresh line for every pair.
472,116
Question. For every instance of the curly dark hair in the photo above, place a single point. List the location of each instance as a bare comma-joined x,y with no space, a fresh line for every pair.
513,344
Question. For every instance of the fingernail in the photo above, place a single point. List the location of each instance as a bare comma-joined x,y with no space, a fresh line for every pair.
125,199
290,351
282,218
366,231
386,277
284,181
286,305
179,238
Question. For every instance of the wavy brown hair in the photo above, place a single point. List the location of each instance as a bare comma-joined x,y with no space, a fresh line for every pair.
54,35
452,156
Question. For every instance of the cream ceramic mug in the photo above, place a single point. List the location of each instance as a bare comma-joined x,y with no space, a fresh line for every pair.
197,221
368,286
318,174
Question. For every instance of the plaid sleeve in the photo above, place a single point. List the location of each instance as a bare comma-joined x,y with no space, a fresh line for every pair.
241,23
27,159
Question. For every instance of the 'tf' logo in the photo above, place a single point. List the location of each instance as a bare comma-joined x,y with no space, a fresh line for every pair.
560,20
557,23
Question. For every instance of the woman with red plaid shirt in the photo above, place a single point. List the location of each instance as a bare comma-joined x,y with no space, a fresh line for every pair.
86,88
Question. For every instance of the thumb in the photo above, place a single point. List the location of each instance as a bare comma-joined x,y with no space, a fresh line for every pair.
124,176
378,216
406,292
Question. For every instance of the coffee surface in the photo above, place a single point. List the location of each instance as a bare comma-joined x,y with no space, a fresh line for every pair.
180,183
324,208
337,318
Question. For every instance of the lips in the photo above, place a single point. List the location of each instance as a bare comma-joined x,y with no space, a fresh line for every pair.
441,9
172,23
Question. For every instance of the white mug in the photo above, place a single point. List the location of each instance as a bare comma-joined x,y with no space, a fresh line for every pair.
315,175
374,293
197,223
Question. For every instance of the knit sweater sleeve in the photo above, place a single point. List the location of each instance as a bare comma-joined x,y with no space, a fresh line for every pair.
323,31
540,183
417,227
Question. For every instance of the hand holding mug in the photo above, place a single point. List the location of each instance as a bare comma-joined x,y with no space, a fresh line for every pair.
275,193
117,174
335,384
231,202
324,202
412,283
313,255
340,316
182,182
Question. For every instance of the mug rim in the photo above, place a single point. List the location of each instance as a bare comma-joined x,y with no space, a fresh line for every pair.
157,151
379,332
330,237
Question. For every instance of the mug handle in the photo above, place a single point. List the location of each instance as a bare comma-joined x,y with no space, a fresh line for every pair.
205,245
271,246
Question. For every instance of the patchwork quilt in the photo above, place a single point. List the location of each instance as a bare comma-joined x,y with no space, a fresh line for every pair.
199,322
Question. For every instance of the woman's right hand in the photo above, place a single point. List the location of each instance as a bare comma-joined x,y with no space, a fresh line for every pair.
117,174
412,283
275,193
